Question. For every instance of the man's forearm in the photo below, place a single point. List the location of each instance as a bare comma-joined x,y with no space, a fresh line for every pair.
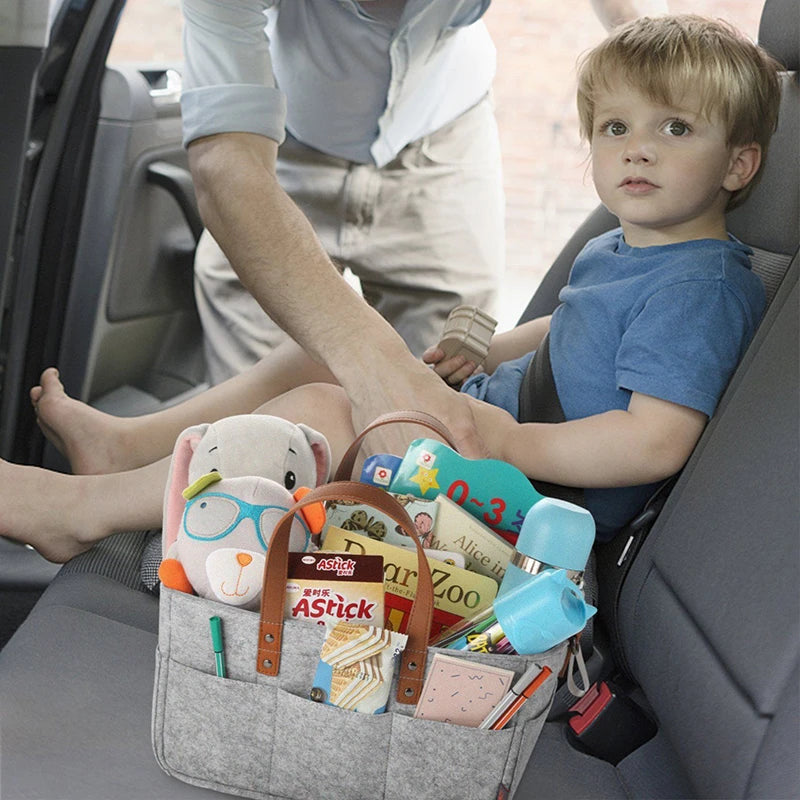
275,251
279,259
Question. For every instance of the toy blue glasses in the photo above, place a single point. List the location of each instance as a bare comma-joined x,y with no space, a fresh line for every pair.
213,515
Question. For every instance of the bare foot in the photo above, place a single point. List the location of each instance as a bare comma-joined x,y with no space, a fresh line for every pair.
48,510
93,441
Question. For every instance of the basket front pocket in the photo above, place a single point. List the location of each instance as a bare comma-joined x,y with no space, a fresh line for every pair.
217,729
441,761
326,752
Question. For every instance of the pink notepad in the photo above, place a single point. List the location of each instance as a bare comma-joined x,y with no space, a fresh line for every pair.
460,691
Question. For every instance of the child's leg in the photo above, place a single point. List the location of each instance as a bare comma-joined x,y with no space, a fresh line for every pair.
63,515
95,442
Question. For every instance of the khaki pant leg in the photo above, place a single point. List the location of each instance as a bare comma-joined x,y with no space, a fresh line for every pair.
434,236
236,331
423,234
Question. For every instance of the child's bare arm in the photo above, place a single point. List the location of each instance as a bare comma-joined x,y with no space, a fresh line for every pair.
504,347
649,441
516,342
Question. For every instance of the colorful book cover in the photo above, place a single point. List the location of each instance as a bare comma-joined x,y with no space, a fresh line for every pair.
494,492
458,593
367,520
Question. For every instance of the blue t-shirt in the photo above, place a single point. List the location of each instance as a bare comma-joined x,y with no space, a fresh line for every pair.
670,321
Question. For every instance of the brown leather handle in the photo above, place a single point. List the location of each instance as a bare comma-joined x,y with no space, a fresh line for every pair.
345,470
412,664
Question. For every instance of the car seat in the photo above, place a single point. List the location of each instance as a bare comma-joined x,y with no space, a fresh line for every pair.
707,615
707,620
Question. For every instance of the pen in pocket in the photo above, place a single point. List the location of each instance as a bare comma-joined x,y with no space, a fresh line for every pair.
218,645
531,680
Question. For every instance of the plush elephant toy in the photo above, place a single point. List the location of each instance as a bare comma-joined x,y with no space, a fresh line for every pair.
229,483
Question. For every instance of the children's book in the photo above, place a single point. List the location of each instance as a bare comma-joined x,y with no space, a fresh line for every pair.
381,527
457,530
458,593
494,492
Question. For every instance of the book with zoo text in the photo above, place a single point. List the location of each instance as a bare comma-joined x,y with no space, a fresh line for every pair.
458,593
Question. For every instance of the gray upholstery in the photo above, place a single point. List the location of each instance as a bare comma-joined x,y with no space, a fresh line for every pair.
710,613
778,32
710,607
76,683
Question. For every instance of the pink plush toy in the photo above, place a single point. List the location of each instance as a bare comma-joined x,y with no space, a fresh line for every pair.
229,483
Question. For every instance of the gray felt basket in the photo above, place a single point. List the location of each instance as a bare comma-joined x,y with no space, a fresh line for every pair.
260,736
257,734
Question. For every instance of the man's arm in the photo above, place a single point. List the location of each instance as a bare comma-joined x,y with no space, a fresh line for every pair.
648,442
279,259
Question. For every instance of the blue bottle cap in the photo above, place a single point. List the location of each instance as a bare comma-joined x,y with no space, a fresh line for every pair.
557,533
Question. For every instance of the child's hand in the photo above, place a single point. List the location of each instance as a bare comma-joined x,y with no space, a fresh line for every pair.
454,370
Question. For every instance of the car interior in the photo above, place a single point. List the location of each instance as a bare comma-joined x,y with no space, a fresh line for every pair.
696,646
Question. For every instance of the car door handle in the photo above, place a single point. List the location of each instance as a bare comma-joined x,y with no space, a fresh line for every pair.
178,182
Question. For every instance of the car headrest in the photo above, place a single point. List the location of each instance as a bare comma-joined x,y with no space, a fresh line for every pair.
779,32
767,220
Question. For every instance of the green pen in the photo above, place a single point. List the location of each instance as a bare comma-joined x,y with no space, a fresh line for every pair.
217,644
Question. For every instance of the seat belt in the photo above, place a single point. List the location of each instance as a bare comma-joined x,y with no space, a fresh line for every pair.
614,560
538,402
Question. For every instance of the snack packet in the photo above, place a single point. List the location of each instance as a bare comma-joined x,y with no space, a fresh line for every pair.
356,667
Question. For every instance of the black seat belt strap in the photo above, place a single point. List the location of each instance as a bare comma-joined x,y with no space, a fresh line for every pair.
538,402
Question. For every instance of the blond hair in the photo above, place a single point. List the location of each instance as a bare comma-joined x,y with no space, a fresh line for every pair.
671,57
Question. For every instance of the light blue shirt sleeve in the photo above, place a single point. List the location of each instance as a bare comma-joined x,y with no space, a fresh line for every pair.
229,83
358,88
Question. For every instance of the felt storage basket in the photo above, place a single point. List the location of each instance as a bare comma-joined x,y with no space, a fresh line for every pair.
256,733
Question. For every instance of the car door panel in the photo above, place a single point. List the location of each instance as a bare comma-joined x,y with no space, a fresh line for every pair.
136,251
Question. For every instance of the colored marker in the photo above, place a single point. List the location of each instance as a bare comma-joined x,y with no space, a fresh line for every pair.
463,641
531,680
218,645
484,618
483,641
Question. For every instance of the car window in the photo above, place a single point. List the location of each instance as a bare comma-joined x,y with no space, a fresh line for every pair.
548,189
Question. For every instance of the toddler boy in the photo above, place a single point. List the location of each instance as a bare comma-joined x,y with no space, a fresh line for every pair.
656,315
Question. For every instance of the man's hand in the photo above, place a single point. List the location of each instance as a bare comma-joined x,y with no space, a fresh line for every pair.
412,386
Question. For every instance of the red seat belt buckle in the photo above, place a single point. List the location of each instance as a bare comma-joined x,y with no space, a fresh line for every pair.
589,707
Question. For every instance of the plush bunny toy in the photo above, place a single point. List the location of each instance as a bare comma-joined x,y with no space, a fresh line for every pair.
229,483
